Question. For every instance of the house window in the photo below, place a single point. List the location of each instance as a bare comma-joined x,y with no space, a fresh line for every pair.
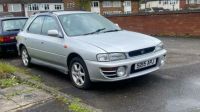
95,3
1,8
33,7
107,4
193,1
159,1
58,7
46,6
165,2
70,5
14,8
116,3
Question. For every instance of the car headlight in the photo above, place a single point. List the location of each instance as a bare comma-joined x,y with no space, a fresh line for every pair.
105,57
159,47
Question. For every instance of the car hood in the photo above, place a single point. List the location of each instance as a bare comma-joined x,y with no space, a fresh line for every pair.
120,41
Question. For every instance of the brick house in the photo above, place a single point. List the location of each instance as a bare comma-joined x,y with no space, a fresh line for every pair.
71,4
190,4
28,7
115,6
13,6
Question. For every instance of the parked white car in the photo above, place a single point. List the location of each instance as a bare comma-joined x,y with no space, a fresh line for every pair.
88,47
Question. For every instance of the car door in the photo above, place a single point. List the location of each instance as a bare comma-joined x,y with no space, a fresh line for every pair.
53,46
33,37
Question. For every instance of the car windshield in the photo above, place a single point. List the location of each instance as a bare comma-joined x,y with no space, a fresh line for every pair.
86,24
13,24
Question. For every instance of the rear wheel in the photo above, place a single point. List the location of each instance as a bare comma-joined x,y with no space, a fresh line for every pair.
79,74
25,57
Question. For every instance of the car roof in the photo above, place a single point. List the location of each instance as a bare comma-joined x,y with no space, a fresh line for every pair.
7,18
69,12
61,12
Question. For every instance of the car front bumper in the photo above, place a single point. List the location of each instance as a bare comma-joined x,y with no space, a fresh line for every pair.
96,74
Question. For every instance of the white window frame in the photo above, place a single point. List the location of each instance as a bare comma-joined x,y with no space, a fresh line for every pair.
1,8
11,7
34,7
117,4
107,4
58,7
95,4
46,7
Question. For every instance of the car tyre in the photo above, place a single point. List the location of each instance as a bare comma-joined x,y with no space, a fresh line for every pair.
26,59
79,74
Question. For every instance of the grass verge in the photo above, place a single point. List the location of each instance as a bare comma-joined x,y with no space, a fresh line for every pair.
9,82
8,79
75,105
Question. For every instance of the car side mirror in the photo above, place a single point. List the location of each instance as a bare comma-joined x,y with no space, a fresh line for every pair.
54,33
117,25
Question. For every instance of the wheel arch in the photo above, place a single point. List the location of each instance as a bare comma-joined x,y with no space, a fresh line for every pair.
20,47
71,56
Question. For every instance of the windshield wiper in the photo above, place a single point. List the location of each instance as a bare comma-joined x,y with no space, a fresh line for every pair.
13,30
114,30
97,31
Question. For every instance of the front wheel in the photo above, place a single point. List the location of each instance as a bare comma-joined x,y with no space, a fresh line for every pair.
79,74
25,57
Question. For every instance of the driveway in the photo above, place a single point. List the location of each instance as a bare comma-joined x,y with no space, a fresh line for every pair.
174,88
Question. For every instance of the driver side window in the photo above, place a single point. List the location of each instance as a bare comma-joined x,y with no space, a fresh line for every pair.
36,25
49,24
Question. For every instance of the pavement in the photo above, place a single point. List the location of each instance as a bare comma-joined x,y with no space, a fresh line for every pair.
174,88
22,96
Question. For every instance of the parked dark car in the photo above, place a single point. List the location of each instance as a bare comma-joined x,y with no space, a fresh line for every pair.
9,28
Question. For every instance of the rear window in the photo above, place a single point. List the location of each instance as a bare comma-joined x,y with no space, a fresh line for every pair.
13,25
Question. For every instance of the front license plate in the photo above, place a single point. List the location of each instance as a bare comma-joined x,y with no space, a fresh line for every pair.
145,64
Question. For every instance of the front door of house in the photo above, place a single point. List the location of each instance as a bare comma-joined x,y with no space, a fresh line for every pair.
127,7
95,6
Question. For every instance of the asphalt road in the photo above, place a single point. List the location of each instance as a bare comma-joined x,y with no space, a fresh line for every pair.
174,88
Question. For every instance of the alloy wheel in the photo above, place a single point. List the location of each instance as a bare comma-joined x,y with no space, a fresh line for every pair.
78,74
25,57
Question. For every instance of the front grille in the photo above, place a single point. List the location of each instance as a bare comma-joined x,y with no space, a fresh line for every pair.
146,68
141,51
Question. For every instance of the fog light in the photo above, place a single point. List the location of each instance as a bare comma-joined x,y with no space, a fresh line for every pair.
121,71
162,61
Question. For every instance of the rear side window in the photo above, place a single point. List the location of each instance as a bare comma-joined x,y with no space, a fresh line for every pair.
49,24
13,25
36,25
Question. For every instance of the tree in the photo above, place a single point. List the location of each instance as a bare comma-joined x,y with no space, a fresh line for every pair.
85,5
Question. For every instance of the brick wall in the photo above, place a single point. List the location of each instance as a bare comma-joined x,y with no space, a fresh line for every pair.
71,4
173,24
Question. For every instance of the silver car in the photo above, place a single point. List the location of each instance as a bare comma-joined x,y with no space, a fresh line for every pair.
88,47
